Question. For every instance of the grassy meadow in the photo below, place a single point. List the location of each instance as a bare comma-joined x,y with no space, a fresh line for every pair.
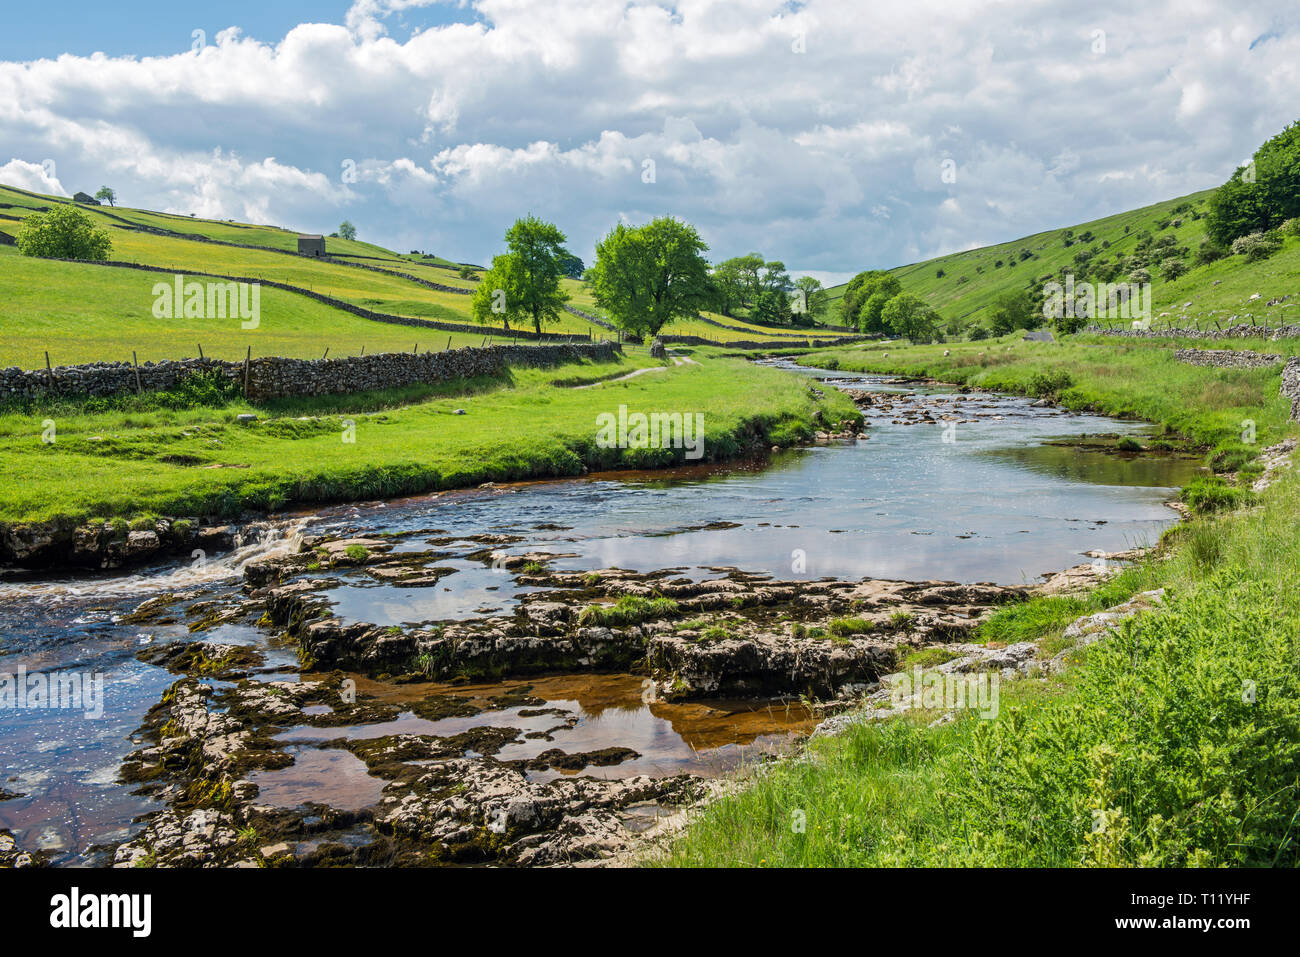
84,313
1125,378
155,454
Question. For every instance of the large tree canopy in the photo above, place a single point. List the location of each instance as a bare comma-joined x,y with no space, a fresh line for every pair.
813,300
498,296
1261,195
875,291
647,276
1012,311
859,292
911,318
738,282
772,308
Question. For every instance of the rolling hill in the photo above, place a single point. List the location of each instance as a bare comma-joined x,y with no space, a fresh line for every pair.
964,285
83,312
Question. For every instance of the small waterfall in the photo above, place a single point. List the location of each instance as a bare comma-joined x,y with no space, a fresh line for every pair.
254,542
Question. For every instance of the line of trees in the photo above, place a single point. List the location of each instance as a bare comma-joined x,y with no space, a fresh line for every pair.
874,303
765,289
644,277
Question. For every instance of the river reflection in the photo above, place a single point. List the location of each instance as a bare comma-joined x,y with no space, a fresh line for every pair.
996,504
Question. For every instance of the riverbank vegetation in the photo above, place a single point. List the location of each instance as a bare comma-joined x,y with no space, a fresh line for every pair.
1230,413
1174,742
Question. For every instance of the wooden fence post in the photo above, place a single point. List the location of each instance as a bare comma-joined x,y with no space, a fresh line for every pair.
248,358
136,363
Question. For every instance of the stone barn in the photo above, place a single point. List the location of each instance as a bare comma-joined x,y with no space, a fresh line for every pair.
311,246
85,199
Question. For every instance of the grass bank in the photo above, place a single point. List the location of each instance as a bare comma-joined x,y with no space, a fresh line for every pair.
163,455
1176,742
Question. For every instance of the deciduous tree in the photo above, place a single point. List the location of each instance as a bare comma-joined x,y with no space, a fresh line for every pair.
647,276
64,232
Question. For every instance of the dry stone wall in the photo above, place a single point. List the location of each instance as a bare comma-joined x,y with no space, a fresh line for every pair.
1241,330
1227,359
1291,385
276,377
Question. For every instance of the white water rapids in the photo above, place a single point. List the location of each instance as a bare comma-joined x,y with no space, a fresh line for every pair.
254,542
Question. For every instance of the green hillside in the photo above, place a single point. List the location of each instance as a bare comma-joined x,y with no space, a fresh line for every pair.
86,312
963,286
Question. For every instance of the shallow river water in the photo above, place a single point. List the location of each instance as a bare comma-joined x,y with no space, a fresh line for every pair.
1004,499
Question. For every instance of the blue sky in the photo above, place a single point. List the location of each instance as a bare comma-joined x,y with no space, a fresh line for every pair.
817,133
159,28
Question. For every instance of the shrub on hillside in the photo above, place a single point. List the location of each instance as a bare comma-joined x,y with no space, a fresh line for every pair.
1172,268
1208,252
64,232
1256,246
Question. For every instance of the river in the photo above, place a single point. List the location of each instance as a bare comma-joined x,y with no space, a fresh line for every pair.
1001,491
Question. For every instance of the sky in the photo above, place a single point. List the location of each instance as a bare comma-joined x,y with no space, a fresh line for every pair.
833,135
